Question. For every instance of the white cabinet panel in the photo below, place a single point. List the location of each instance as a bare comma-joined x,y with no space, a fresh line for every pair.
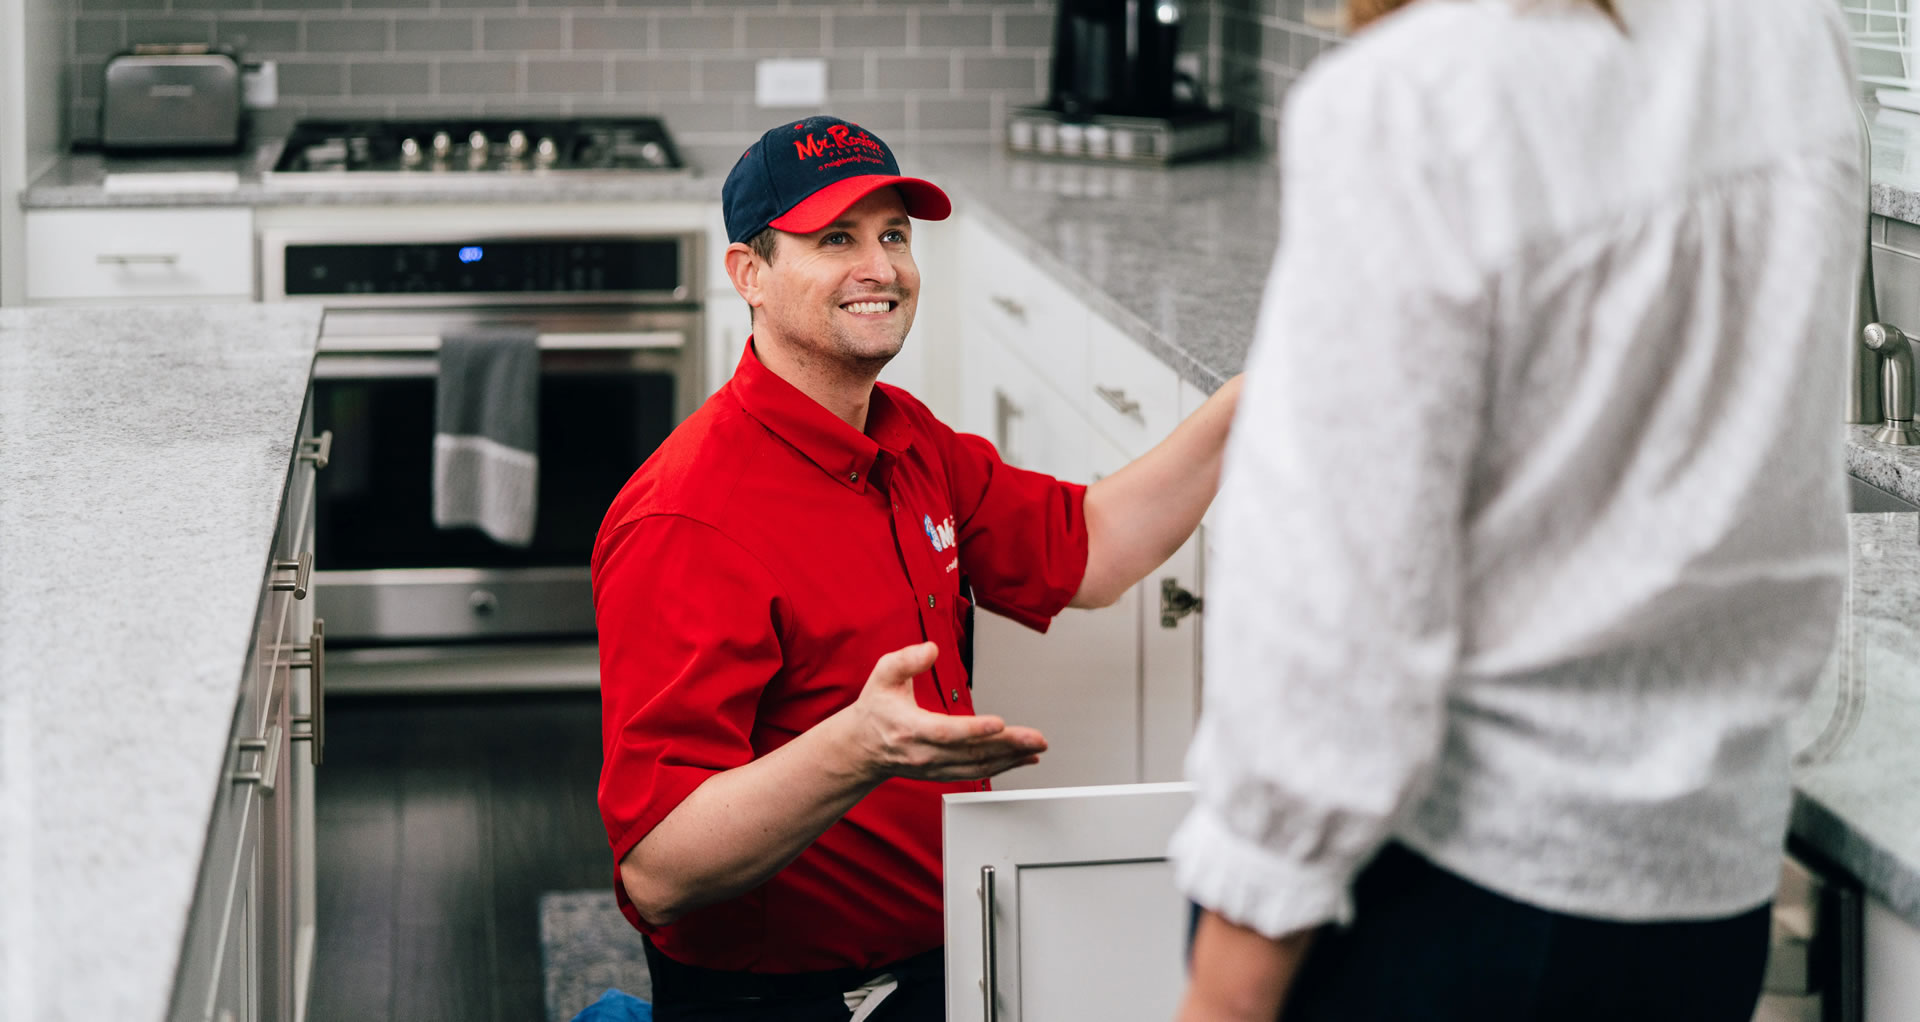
139,254
1079,683
1892,966
1067,971
1170,661
1132,397
1083,920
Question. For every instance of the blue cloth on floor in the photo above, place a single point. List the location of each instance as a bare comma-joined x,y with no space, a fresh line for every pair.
615,1006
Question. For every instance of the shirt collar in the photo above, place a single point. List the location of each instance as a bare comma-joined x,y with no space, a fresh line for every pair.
842,452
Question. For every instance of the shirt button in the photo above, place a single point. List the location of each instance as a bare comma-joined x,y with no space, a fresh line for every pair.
929,599
956,695
853,477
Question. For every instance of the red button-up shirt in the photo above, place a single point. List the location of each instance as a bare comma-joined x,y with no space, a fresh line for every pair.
745,581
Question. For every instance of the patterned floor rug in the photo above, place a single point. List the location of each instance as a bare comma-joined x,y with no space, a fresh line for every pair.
587,946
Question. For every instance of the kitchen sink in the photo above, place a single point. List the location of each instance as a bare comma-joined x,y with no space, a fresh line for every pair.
1866,498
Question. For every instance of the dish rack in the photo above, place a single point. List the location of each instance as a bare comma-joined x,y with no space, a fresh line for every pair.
1886,40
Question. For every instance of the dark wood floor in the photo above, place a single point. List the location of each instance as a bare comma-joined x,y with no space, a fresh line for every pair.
440,822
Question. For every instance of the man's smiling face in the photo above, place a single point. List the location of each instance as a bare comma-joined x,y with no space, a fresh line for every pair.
846,293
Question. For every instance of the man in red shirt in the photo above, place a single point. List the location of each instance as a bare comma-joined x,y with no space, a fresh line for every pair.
782,593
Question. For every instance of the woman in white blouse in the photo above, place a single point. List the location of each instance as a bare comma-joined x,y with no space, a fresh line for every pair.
1533,516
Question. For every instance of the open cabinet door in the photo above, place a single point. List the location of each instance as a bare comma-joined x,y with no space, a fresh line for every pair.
1060,904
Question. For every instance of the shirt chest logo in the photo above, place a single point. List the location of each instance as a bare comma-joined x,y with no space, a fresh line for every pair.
941,536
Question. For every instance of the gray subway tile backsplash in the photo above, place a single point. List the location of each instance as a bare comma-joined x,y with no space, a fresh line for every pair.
602,31
153,28
516,32
853,29
439,34
681,33
921,71
324,78
573,77
953,30
479,77
800,33
1014,74
946,70
99,34
671,76
355,35
261,37
389,78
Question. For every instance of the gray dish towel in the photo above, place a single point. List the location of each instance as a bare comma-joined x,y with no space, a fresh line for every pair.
486,432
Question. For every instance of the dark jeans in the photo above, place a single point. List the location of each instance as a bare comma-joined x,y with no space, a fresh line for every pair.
686,993
1427,946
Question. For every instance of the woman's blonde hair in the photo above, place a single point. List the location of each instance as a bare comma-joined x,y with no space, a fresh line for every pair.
1362,12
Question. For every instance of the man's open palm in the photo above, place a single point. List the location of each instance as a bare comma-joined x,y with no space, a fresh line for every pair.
900,739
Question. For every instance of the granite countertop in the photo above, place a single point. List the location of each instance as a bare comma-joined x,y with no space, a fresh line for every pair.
1855,796
143,452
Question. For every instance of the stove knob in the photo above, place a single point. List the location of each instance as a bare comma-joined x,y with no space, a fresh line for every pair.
477,143
546,151
653,154
410,150
516,144
442,144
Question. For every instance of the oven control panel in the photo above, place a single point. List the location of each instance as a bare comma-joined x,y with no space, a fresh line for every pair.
625,267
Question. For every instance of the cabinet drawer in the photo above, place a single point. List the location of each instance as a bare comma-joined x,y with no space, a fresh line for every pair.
1132,397
1027,312
137,254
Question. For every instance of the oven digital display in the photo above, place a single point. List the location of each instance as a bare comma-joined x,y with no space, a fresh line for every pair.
487,266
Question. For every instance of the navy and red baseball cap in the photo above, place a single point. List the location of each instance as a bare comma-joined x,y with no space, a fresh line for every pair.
803,174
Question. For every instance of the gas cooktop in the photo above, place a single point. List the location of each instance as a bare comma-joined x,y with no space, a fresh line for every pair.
357,152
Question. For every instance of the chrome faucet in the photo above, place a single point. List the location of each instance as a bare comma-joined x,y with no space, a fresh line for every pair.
1896,383
1863,367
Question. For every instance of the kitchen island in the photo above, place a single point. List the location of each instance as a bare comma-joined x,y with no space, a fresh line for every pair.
143,456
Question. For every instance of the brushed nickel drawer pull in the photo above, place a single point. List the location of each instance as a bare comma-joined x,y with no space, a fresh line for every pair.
137,258
315,723
1176,603
268,769
302,574
317,449
1011,307
989,947
1118,400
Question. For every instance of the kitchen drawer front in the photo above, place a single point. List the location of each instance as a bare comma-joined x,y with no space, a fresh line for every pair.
1005,295
1132,397
217,967
139,254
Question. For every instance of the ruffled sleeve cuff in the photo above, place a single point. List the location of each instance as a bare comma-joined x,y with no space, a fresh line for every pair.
1251,886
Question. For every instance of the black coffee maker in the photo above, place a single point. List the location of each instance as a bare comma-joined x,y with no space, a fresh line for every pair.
1115,57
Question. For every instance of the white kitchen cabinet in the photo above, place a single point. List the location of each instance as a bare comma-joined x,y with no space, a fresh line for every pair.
1892,967
250,933
1114,690
139,255
1060,904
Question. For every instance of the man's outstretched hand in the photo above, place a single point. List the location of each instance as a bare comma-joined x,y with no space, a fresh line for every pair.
897,738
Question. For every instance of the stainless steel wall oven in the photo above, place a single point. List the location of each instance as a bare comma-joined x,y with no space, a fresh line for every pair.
409,605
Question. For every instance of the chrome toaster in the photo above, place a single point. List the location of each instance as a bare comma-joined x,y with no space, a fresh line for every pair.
168,97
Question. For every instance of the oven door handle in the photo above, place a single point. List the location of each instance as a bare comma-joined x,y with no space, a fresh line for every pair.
613,340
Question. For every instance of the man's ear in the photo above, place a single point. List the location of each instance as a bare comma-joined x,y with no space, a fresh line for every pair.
744,269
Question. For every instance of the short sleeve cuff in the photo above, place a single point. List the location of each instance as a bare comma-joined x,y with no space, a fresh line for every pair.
1252,887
